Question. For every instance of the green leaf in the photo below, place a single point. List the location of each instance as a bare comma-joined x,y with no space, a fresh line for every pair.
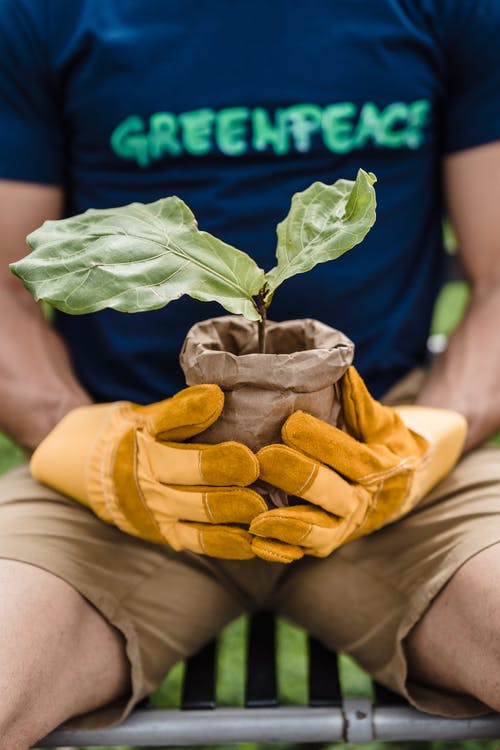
323,223
136,258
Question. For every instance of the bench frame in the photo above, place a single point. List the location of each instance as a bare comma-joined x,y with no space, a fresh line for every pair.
330,717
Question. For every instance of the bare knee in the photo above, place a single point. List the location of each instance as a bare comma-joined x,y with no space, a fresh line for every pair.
456,645
58,656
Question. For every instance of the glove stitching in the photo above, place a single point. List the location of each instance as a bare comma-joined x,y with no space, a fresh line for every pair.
388,519
105,492
101,499
109,497
406,464
354,412
425,458
410,481
278,556
201,542
141,494
309,480
370,504
287,519
208,510
200,470
369,508
403,508
281,558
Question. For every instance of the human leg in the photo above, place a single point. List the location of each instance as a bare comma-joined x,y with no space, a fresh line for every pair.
369,595
147,606
456,644
59,657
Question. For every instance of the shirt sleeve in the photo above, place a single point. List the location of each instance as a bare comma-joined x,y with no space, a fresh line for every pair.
31,135
472,49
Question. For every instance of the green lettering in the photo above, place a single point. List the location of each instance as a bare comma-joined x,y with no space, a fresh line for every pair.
396,126
419,115
197,127
230,130
265,134
392,116
368,126
304,120
162,135
128,143
337,126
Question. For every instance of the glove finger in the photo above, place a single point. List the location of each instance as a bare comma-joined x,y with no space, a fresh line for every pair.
335,448
196,503
206,504
301,525
189,412
226,542
222,464
369,420
274,551
299,475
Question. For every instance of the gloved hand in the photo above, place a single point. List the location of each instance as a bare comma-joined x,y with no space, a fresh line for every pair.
355,481
127,464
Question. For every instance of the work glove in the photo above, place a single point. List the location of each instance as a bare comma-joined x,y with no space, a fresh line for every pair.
129,464
354,480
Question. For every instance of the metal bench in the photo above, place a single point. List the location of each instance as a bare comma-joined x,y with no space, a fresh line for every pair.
329,717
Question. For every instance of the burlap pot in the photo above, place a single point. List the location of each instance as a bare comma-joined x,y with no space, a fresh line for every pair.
303,363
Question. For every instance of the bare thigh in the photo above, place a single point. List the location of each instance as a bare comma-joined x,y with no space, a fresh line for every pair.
58,656
145,601
456,644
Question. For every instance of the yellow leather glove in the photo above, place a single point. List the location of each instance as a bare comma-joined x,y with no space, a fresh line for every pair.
355,481
127,463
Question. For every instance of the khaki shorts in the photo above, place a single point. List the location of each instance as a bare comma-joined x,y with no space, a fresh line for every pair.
363,599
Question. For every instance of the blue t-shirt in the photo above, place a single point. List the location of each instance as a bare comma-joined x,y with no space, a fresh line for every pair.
235,105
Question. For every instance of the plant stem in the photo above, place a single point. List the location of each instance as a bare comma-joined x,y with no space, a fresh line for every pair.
262,309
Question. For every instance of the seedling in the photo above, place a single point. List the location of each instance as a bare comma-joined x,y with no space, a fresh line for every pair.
142,256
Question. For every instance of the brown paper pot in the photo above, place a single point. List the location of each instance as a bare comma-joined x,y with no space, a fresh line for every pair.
303,363
304,360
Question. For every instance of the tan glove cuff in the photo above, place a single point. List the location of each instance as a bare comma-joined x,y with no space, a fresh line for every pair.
61,458
445,432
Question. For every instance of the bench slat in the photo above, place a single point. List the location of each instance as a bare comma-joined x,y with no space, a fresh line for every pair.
324,681
261,690
198,690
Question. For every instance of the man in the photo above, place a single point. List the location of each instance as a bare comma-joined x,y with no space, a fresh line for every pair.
234,107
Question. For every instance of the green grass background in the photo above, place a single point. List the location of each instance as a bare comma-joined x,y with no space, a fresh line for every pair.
291,640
